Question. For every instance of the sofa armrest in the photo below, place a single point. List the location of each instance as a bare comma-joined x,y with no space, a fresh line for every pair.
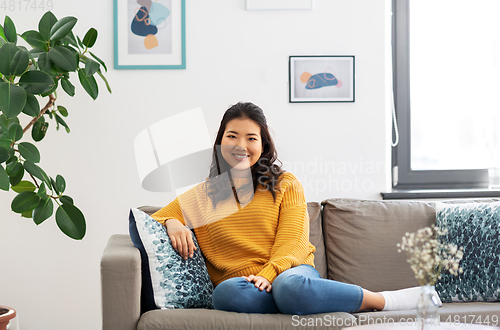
120,284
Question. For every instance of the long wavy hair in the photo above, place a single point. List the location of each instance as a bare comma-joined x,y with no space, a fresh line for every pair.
265,172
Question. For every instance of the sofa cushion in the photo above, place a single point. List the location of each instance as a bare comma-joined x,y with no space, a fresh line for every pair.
315,234
361,238
169,281
475,227
217,320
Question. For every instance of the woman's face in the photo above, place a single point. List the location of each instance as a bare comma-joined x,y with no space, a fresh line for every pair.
241,144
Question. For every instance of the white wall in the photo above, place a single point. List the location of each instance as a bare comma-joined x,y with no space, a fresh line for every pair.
232,55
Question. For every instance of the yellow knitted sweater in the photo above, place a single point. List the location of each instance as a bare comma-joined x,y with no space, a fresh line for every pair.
257,237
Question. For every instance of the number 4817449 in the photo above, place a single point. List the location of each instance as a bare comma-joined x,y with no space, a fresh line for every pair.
473,319
26,5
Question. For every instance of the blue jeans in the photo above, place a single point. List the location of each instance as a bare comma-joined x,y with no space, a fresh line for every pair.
299,290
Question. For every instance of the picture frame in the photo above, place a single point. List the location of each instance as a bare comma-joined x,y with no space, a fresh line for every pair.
149,34
321,78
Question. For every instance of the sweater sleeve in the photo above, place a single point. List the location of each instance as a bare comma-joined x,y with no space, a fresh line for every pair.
171,211
291,245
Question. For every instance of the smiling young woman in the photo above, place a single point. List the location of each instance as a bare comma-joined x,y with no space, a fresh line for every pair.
251,223
241,145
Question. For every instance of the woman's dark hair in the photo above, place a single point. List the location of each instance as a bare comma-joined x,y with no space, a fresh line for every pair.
265,173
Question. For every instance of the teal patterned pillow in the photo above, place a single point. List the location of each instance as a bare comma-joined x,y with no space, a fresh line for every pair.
169,281
476,227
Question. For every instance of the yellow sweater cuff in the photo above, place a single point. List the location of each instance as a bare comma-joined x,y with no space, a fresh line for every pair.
269,273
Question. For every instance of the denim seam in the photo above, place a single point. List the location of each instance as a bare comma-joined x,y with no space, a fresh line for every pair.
360,299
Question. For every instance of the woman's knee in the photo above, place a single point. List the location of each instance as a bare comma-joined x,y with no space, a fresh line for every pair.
238,295
290,293
228,292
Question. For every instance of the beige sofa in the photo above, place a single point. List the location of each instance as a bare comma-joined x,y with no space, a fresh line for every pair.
355,242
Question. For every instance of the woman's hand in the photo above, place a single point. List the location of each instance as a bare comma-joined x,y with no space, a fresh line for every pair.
181,238
260,282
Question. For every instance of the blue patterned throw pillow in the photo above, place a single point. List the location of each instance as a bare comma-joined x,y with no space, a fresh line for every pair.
475,227
169,281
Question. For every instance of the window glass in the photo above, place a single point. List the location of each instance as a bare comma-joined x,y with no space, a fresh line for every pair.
454,83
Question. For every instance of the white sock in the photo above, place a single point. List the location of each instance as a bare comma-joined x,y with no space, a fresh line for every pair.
404,299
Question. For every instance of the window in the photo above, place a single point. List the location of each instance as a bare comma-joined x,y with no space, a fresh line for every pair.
446,56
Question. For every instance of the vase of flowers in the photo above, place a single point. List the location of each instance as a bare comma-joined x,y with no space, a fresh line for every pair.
428,256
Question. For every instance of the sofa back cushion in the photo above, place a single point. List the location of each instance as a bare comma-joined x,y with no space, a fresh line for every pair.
361,237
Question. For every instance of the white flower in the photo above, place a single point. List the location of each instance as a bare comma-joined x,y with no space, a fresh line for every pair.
428,255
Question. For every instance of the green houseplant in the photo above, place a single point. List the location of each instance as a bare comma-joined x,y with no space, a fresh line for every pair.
30,75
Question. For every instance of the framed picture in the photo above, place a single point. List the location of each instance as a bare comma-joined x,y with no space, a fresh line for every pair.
321,78
150,34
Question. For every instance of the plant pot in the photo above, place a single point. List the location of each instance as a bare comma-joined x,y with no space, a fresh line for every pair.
6,314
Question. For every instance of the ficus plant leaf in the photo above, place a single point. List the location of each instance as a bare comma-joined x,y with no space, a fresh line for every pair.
91,67
10,30
68,87
35,52
24,202
100,61
29,152
61,121
4,179
39,129
12,99
15,131
36,82
63,58
35,39
60,183
70,38
90,38
16,179
52,90
45,63
19,63
66,199
24,186
71,221
4,154
105,80
62,27
37,172
7,53
32,107
89,84
2,33
54,186
45,25
43,210
42,191
5,143
62,110
14,168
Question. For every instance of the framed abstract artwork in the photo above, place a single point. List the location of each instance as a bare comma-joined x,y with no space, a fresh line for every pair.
321,78
149,34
